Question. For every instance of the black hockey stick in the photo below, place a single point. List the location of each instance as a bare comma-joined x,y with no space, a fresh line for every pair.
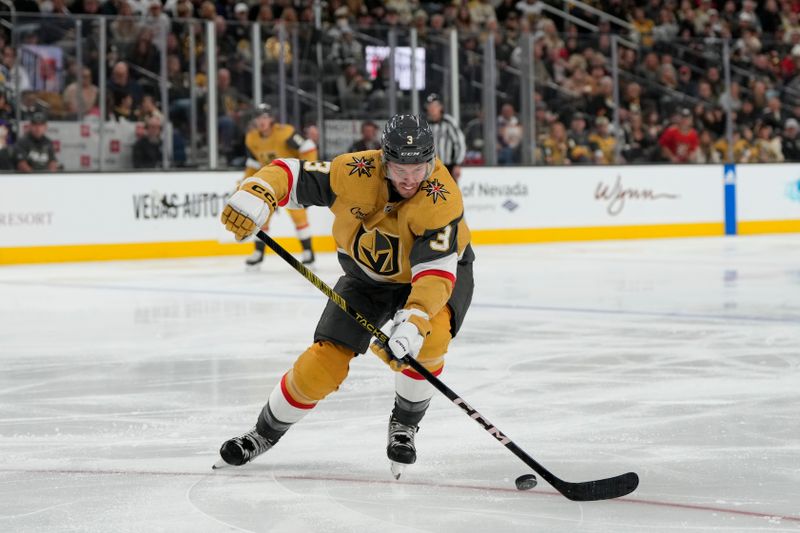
601,489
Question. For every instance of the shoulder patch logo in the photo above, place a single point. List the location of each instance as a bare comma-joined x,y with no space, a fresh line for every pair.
361,166
436,189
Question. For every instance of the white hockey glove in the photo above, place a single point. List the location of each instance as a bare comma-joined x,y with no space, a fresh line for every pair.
249,208
407,333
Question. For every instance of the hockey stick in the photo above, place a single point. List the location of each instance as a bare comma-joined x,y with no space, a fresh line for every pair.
601,489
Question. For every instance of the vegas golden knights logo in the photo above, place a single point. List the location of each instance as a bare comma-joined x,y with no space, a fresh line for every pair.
377,251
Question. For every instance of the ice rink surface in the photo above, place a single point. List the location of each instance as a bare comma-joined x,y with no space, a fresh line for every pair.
676,359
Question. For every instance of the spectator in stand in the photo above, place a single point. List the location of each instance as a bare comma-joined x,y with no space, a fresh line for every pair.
148,109
207,10
464,23
667,28
648,69
758,93
122,108
144,53
735,97
642,27
579,83
748,16
311,132
9,71
710,118
578,140
668,79
742,150
686,84
6,109
241,73
473,132
124,28
35,152
88,92
481,12
706,153
773,115
158,21
640,144
239,31
6,150
679,141
603,142
353,89
120,81
369,140
632,99
554,147
509,133
230,103
790,141
602,103
58,25
346,49
147,150
183,9
768,146
747,114
265,14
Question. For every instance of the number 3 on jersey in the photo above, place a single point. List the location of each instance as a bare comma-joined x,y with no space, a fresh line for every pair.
317,166
442,241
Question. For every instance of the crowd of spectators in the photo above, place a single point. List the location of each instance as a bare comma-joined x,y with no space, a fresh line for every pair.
672,99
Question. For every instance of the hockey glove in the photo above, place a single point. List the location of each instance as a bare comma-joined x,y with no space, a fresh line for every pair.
249,208
408,331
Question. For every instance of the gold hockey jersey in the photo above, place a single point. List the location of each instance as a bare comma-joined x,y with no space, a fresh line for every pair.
381,236
282,141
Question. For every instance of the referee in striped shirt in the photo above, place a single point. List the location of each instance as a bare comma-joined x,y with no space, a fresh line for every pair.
447,137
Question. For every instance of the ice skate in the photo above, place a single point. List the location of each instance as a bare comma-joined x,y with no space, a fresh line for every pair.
400,446
255,258
242,449
307,258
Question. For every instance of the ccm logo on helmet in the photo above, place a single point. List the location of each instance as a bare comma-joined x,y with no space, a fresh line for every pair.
409,154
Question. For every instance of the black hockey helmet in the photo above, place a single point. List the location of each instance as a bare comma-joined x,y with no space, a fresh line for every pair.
262,109
407,139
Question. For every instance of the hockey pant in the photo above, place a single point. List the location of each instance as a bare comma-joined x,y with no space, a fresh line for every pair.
324,366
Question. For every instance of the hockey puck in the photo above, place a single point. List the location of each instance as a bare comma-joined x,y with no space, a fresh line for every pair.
525,482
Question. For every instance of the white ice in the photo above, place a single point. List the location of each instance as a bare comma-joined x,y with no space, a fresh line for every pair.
676,359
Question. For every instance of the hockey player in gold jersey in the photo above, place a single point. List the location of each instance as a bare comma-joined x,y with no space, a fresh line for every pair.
269,140
405,251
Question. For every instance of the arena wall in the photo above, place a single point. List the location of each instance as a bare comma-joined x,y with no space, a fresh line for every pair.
105,216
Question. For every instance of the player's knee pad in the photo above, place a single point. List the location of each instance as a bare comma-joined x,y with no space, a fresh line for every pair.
435,347
318,372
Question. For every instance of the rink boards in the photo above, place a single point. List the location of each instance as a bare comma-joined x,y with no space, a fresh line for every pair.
100,216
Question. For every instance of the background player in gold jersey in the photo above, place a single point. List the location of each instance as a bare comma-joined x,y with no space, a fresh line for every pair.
405,251
266,141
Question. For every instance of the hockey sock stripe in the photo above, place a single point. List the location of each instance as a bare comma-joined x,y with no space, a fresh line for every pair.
414,375
283,408
288,397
